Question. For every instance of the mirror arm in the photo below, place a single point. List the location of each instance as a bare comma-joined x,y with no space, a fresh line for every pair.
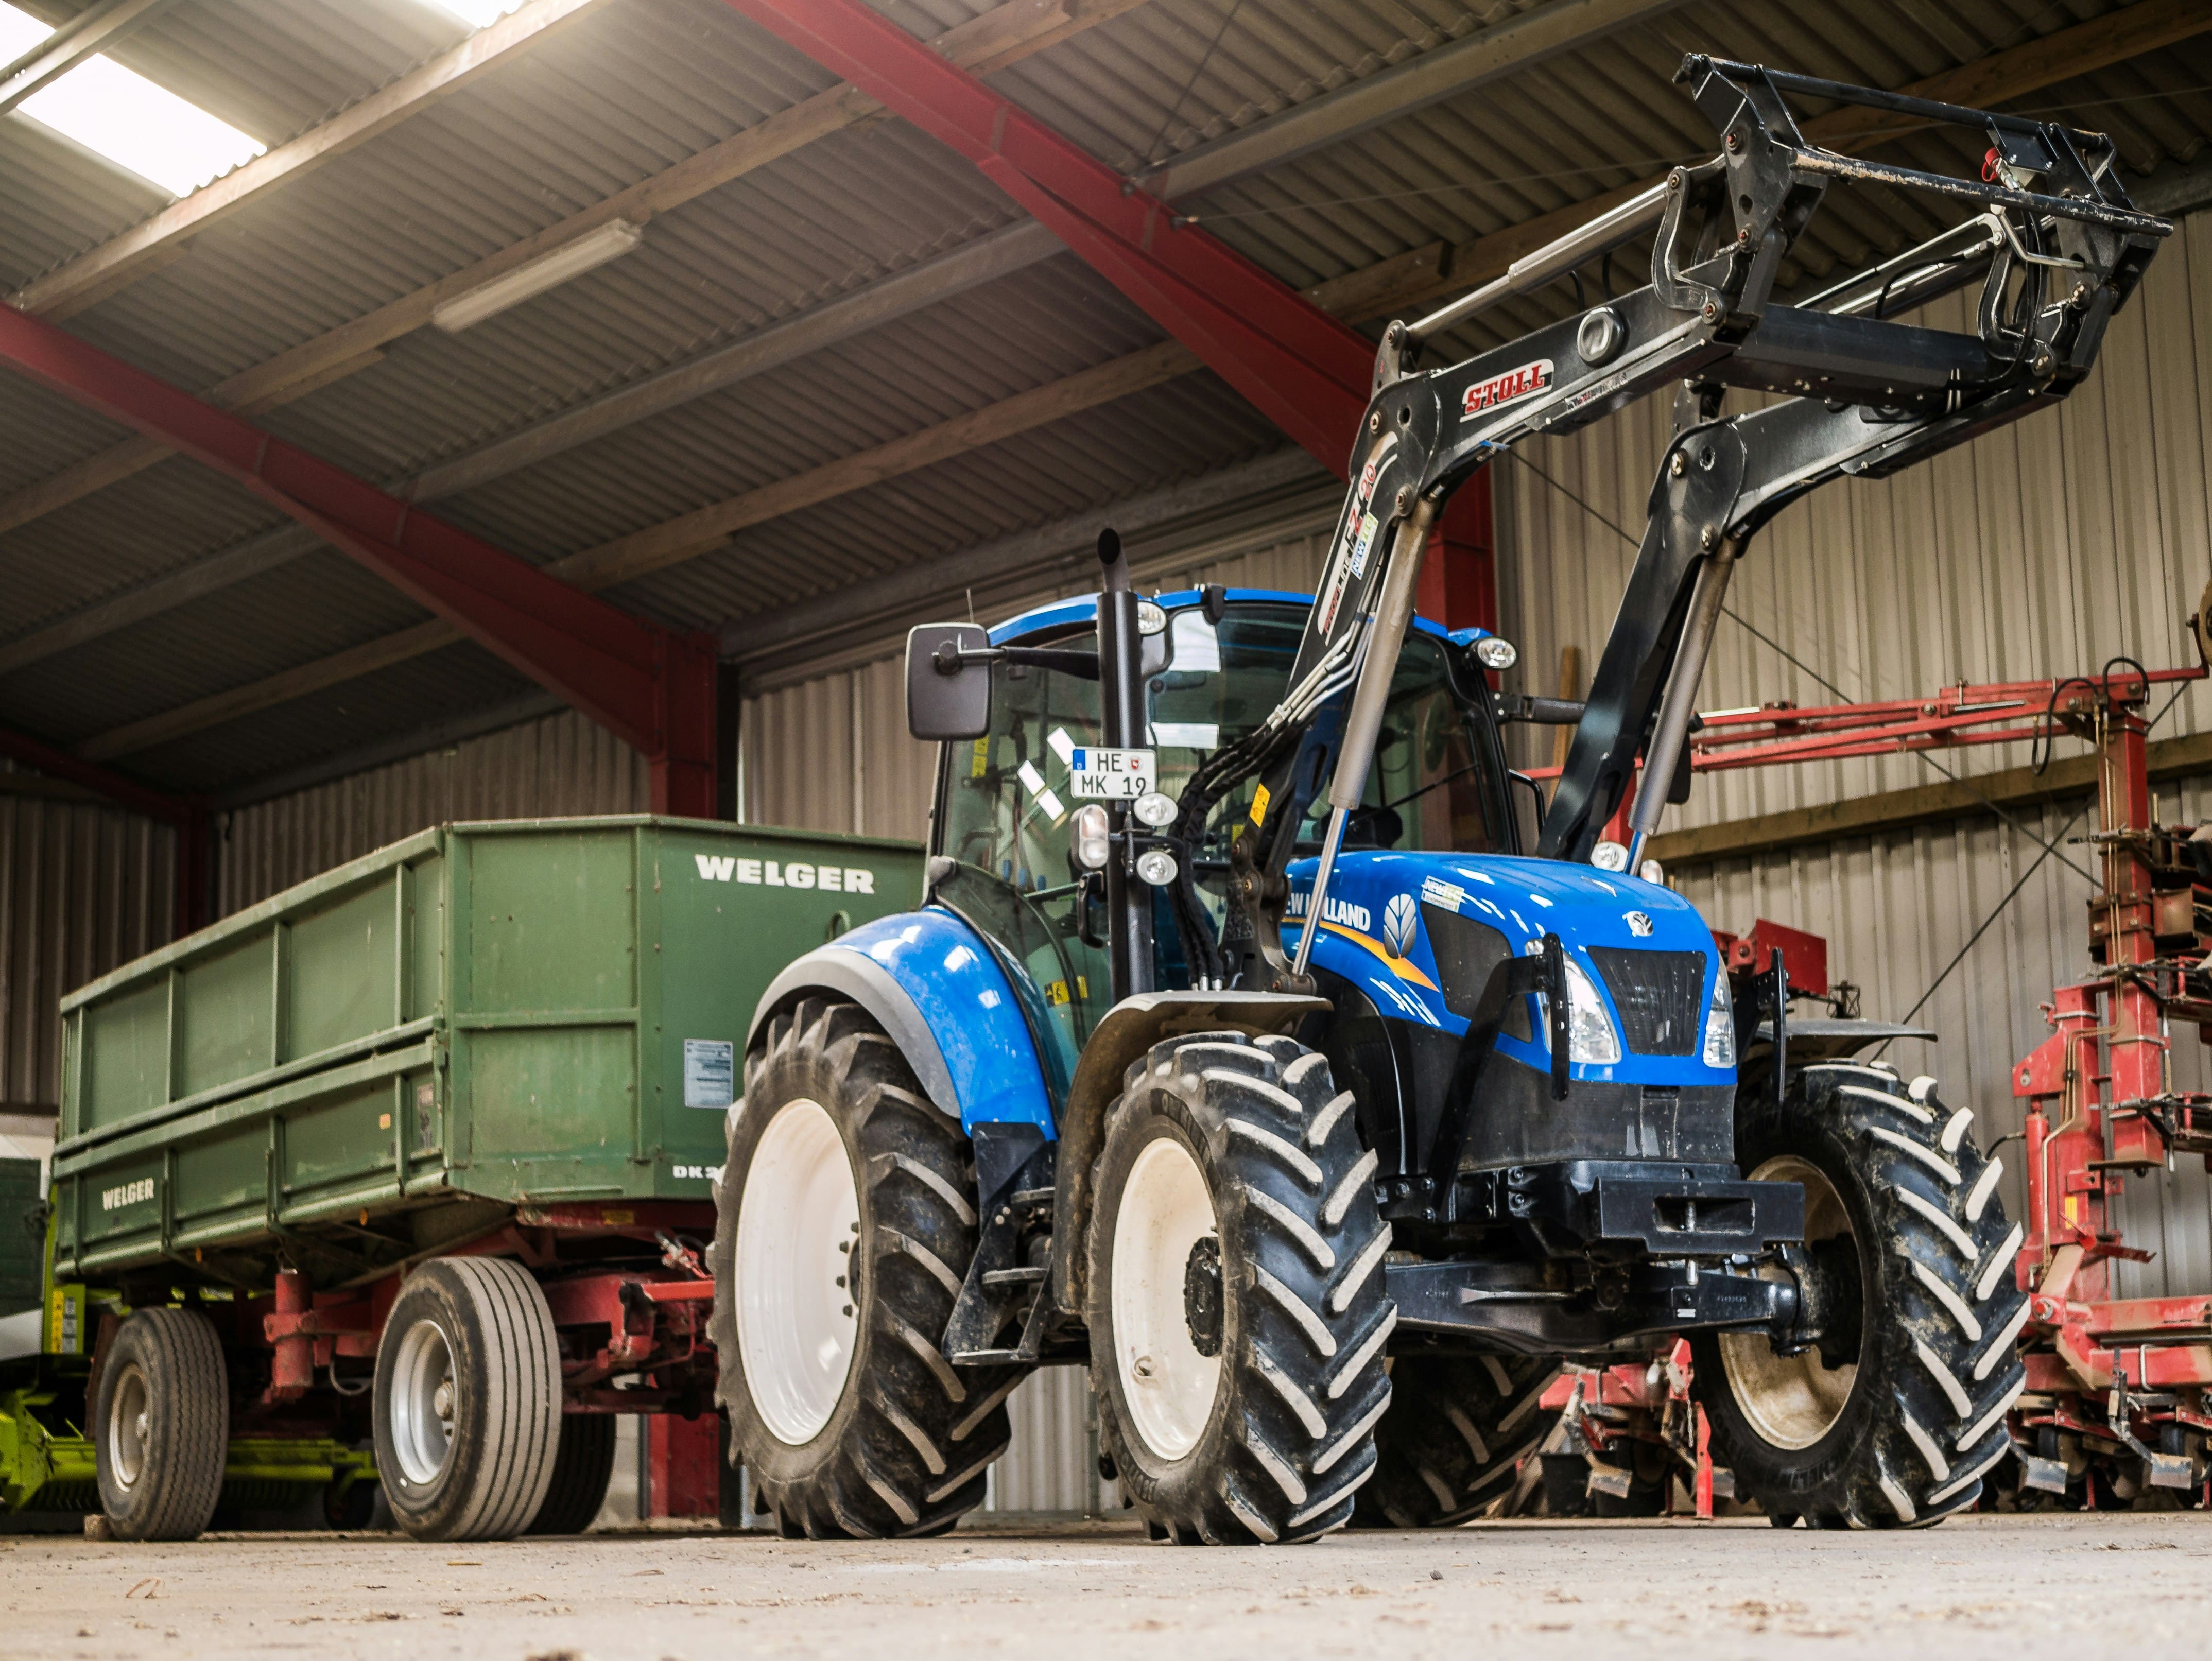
949,659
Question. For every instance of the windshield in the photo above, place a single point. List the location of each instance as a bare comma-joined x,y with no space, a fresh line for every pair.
1435,785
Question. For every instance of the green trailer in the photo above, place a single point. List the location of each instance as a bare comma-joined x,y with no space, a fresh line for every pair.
418,1155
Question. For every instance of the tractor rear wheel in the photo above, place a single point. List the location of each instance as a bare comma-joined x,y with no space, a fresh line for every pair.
1458,1427
844,1231
1236,1311
1897,1411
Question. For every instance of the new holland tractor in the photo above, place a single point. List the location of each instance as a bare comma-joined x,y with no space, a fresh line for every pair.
1261,1048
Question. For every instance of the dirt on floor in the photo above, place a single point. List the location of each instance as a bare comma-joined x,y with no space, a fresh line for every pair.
2131,1585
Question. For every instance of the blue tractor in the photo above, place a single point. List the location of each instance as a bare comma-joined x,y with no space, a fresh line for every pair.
1266,1045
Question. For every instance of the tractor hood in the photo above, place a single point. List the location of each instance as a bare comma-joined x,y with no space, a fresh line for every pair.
1418,932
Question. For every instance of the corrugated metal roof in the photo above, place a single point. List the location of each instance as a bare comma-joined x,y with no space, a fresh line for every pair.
624,91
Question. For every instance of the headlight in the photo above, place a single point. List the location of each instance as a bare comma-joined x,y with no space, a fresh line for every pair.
1591,1040
1720,1027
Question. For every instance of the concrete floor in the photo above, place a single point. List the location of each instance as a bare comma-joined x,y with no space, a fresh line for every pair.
1979,1586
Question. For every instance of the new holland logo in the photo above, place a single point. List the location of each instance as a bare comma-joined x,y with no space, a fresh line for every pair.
1399,921
1504,388
1639,924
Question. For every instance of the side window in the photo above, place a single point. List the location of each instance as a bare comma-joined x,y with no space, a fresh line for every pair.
1005,821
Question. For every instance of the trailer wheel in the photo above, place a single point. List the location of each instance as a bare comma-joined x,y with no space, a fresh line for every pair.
1236,1311
844,1231
161,1426
583,1464
467,1401
1456,1432
1895,1415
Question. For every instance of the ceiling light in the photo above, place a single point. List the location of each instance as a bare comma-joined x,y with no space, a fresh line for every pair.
548,271
126,119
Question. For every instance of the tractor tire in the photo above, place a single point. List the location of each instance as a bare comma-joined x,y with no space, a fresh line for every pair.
1236,1309
583,1464
467,1401
1894,1417
161,1426
844,1231
1458,1427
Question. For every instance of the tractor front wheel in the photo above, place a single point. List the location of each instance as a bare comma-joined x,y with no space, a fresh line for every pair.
1895,1414
1236,1311
844,1231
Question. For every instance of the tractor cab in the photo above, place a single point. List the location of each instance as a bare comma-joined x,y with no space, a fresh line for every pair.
1010,827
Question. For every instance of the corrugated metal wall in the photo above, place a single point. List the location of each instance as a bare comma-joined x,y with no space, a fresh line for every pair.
82,888
558,764
2044,548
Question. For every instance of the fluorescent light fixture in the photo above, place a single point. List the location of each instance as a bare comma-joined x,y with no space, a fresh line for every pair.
122,116
481,13
548,271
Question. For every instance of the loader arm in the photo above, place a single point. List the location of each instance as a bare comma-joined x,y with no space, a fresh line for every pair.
2055,245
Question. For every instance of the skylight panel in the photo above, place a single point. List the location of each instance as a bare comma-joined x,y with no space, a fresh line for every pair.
118,114
482,14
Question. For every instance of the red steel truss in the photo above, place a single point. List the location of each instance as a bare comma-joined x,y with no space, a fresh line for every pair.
654,689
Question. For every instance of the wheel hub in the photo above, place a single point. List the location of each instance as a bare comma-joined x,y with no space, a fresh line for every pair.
1201,1295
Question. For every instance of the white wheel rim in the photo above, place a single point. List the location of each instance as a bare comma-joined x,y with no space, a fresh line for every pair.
126,1426
1165,1211
423,1399
1791,1401
798,1220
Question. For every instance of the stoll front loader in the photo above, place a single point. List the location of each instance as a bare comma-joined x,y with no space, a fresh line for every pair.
1251,1051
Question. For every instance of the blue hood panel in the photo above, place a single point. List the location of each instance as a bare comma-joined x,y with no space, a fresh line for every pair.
1524,899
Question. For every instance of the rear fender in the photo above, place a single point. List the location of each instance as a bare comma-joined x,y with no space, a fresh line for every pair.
1130,1028
932,984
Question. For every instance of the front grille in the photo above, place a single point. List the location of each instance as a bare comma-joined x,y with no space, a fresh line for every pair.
1660,995
1466,951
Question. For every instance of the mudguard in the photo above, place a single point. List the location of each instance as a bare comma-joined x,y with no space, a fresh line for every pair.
932,983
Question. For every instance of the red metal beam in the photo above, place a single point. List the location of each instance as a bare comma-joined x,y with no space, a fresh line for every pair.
1304,370
649,686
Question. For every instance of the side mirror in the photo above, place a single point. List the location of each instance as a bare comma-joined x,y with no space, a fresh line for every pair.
945,696
1528,810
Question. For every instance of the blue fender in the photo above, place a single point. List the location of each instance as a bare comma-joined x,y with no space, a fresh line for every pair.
932,983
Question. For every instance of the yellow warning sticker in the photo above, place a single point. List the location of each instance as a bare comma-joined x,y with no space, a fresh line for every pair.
1259,807
1056,994
1083,988
980,763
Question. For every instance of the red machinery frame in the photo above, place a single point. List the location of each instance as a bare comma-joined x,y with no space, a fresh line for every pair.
2106,1378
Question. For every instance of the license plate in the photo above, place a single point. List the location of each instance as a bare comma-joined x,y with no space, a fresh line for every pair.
1114,774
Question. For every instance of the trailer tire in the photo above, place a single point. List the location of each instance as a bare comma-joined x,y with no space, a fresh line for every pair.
1237,1307
1895,1419
583,1464
467,1399
877,1434
1458,1427
162,1426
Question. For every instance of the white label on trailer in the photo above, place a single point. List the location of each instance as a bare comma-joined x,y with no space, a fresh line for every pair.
710,1072
1116,775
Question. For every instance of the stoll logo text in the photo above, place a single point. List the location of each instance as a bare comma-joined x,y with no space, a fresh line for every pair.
1343,911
